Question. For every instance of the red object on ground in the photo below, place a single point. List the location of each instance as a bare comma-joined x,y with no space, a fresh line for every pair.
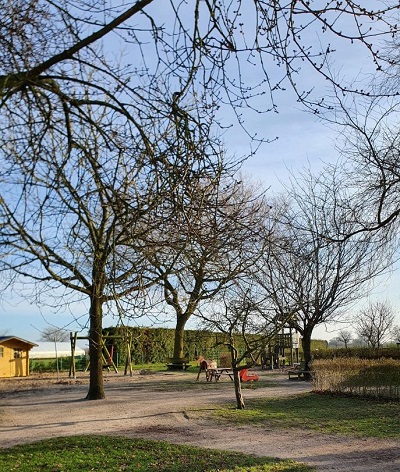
245,377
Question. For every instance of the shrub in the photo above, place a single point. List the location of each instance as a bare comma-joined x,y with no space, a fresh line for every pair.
50,365
378,378
359,352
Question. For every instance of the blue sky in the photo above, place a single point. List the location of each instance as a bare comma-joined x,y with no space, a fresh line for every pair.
303,141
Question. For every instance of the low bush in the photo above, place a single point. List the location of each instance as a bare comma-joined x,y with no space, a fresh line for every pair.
50,365
359,352
379,378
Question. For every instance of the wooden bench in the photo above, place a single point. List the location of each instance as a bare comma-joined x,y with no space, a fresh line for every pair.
177,364
299,372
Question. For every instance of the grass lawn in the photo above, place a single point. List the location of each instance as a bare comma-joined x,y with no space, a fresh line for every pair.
100,453
322,413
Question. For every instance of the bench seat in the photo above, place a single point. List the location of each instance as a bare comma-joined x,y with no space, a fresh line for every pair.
177,364
299,372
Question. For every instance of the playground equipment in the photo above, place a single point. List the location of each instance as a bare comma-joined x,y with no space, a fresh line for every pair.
107,354
206,366
246,377
284,344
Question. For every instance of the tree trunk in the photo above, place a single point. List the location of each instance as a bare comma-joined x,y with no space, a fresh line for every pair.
236,379
96,385
179,336
306,343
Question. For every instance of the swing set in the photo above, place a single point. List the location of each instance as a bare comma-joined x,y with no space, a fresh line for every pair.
107,354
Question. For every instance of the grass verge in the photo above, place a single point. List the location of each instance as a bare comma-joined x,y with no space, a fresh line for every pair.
321,413
100,453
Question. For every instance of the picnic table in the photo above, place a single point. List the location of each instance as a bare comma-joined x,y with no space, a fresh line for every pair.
299,372
218,372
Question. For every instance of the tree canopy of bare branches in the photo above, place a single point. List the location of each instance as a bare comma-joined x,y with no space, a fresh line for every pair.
374,324
50,46
89,93
54,334
208,245
311,274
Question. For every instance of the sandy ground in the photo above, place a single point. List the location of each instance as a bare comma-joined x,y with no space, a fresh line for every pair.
161,406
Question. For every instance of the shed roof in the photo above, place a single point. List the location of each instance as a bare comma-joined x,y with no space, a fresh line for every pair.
4,339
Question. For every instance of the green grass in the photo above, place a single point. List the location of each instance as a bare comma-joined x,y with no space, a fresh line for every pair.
100,453
322,413
154,367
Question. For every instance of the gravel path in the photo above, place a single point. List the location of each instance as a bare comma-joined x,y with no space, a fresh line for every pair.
158,406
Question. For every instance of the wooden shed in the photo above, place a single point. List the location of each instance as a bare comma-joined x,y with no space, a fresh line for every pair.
14,356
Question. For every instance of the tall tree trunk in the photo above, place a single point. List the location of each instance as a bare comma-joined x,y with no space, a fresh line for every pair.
179,336
236,379
306,343
96,385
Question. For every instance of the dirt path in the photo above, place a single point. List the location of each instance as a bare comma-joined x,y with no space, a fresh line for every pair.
159,406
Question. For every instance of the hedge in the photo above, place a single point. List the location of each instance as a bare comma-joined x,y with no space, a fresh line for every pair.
155,345
379,378
358,352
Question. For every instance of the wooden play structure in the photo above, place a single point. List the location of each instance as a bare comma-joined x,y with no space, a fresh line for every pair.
107,354
284,345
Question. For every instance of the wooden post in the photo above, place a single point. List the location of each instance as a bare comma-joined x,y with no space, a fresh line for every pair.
72,367
291,347
128,357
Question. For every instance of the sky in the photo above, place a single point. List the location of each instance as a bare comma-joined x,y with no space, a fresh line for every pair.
303,141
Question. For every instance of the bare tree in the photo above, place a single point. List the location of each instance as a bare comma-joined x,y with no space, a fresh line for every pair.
54,334
59,222
69,215
396,334
242,310
374,324
311,276
345,337
210,243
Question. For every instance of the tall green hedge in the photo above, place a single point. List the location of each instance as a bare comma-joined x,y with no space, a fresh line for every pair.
154,345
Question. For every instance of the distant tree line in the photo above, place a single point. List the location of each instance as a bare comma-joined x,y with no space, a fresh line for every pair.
374,327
